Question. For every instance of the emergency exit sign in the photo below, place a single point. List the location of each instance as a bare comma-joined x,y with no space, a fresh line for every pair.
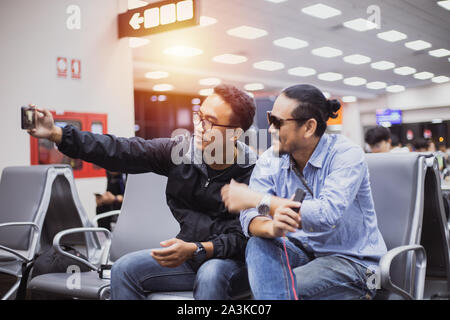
158,17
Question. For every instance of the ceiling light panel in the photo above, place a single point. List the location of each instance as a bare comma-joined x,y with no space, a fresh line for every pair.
418,45
439,53
156,75
383,65
357,59
268,65
321,11
210,82
440,79
423,75
230,58
302,72
355,81
392,36
290,43
330,76
246,32
395,89
376,85
360,25
405,71
444,4
327,52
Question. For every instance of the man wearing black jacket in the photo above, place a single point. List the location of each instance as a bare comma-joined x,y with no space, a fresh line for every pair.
207,256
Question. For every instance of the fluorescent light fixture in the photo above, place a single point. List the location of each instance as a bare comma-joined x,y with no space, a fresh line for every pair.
436,121
247,32
210,82
181,51
290,43
168,14
276,1
163,87
439,53
423,75
440,79
185,10
444,4
206,92
302,72
207,21
360,25
418,45
137,42
254,87
349,99
156,75
376,85
392,36
230,58
395,89
405,71
321,11
357,59
268,65
383,65
327,52
327,94
330,76
355,81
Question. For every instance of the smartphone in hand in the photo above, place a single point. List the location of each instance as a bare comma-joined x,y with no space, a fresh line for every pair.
97,195
28,116
300,195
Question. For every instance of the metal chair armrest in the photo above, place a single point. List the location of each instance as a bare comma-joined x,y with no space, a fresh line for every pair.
104,215
421,265
18,224
59,235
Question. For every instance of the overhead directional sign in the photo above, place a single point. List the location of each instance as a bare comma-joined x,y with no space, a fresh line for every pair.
159,17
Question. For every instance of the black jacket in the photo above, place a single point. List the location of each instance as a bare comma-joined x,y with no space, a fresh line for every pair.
192,196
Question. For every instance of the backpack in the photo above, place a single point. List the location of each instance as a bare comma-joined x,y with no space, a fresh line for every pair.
51,261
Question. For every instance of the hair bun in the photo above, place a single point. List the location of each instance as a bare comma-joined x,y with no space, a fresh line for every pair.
333,107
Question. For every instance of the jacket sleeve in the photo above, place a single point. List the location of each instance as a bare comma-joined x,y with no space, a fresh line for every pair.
127,155
230,245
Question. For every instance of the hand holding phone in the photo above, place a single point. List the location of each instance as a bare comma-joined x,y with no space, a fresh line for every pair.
28,117
300,195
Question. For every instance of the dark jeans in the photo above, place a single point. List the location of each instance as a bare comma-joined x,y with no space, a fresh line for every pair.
136,275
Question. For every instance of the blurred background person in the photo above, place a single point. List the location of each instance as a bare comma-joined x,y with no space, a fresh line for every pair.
396,146
378,139
111,199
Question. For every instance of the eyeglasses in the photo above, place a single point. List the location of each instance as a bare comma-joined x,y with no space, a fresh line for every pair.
198,119
277,122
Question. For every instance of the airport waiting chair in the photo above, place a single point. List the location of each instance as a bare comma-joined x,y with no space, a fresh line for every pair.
435,234
36,202
397,183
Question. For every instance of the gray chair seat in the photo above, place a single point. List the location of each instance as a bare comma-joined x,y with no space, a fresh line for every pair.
91,286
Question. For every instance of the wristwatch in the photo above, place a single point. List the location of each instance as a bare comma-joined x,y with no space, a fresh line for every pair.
200,253
264,206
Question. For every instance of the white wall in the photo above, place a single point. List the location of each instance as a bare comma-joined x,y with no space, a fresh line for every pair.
32,35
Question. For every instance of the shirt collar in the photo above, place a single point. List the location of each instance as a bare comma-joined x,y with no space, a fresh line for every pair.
318,157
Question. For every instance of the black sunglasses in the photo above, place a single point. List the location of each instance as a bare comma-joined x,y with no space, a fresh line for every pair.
277,122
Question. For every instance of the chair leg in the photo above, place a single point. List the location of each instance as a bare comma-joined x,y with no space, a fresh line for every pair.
11,294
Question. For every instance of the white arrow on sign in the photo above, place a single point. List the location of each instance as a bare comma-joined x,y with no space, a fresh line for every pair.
136,21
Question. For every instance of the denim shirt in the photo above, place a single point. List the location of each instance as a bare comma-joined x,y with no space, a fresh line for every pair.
339,218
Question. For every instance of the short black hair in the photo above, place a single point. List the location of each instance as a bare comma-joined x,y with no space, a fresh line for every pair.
395,141
421,143
243,105
312,104
376,135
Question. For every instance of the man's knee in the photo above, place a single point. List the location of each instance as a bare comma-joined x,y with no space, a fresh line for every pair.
258,244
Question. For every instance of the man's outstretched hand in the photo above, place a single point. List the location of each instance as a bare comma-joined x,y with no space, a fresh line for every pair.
45,126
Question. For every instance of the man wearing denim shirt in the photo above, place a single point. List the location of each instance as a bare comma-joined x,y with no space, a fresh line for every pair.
334,242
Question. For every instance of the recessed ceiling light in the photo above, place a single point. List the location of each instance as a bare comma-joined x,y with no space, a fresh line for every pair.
444,4
440,79
137,42
206,92
330,76
395,89
163,87
439,53
247,32
376,85
357,59
181,51
268,65
418,45
423,75
254,86
360,25
290,43
349,99
404,71
302,72
210,82
392,36
156,75
355,81
230,58
276,1
327,52
383,65
321,11
207,21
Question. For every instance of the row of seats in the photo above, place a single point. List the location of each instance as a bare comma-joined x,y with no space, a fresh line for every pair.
39,208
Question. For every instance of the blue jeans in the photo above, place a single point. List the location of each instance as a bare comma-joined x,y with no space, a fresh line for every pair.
329,277
136,275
